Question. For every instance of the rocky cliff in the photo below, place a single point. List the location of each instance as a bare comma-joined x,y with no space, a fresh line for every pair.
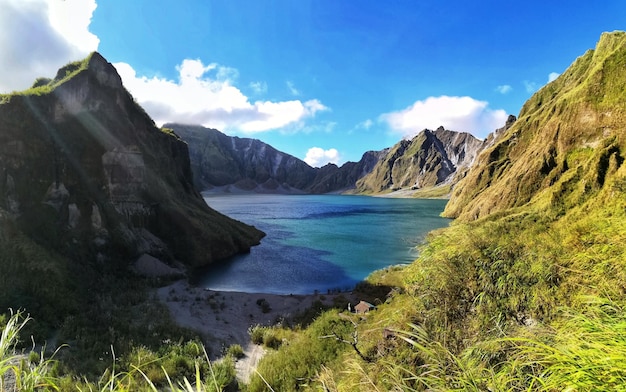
85,171
431,158
219,160
568,140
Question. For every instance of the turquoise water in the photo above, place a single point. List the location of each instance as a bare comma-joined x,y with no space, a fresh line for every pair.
320,242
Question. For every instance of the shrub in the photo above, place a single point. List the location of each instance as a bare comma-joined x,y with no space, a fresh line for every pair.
265,306
235,351
256,334
270,339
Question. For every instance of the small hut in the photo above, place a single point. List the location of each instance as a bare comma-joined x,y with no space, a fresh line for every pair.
363,307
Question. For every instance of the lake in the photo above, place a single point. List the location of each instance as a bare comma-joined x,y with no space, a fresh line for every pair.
320,242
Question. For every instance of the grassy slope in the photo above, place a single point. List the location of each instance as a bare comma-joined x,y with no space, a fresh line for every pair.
531,295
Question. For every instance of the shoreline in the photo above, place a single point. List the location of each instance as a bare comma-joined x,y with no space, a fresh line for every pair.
223,318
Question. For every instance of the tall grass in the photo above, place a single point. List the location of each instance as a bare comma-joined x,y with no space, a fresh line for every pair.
19,372
584,352
33,372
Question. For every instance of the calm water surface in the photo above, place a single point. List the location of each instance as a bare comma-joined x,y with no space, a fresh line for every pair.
320,242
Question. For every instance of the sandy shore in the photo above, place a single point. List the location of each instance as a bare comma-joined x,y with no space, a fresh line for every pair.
223,318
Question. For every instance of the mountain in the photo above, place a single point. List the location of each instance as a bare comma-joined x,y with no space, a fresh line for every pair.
429,159
567,140
218,160
526,290
86,171
331,178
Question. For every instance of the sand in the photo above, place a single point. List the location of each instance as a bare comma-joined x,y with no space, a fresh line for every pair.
223,318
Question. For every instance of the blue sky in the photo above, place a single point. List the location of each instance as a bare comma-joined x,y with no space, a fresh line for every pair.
322,80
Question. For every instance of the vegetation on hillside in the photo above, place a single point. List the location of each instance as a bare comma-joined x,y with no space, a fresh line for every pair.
584,108
525,292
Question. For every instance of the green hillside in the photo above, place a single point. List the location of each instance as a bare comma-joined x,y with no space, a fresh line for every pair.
526,291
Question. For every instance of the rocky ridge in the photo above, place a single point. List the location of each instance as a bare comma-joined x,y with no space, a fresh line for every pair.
567,141
233,163
79,157
430,159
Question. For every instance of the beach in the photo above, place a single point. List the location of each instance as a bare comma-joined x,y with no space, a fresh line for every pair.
223,318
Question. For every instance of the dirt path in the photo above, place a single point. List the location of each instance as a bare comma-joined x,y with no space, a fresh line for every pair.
247,365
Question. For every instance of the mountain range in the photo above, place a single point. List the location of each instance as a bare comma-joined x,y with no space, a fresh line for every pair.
432,158
88,182
567,139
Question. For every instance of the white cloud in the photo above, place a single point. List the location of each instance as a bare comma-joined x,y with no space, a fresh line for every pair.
504,89
40,36
205,94
462,114
552,77
259,87
530,87
317,157
292,88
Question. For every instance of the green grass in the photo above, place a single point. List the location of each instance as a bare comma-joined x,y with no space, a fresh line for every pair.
183,368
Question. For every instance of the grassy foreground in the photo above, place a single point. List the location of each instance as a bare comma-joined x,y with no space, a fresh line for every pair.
146,371
532,298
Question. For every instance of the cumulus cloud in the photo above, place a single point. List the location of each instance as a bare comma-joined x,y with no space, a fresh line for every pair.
553,76
40,36
504,89
206,94
463,114
317,157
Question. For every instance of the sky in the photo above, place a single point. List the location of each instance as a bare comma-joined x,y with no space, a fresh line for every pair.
322,80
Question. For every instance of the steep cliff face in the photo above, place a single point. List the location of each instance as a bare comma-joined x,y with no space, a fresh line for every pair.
84,170
218,159
568,139
429,159
249,164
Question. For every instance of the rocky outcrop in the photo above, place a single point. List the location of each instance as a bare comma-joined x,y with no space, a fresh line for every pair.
218,160
431,158
84,170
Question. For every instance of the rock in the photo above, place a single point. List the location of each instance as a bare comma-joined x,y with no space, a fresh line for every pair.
83,163
152,267
218,160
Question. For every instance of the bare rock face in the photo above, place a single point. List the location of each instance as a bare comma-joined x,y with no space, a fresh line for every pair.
219,160
80,158
431,158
